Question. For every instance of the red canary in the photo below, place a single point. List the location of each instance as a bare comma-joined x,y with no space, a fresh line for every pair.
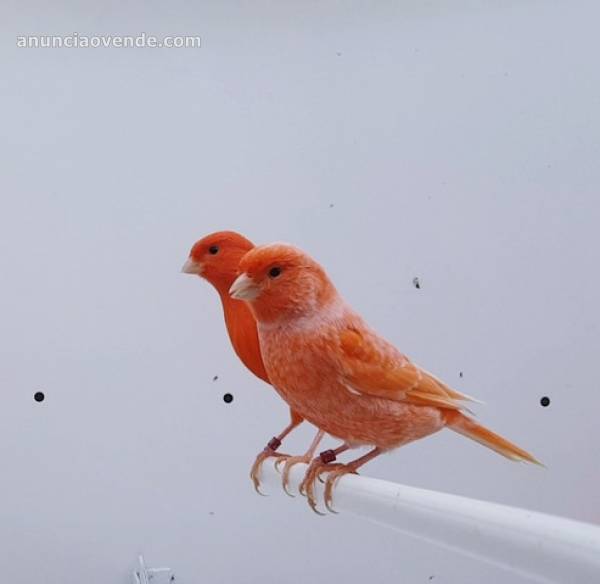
338,373
216,258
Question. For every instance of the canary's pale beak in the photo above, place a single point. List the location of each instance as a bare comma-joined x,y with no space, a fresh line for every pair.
192,267
244,288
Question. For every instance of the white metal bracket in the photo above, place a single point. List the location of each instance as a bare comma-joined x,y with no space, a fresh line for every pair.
144,575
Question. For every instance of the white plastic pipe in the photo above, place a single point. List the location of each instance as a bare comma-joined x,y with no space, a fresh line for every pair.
544,547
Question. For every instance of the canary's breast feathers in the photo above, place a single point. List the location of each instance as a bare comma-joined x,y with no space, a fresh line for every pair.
243,334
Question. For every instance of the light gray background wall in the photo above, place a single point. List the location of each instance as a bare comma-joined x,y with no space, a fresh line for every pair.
457,142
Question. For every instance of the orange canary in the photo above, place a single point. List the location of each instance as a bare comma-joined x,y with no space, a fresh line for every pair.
216,258
338,373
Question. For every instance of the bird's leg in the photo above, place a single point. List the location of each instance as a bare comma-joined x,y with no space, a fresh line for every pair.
317,466
292,460
336,471
269,451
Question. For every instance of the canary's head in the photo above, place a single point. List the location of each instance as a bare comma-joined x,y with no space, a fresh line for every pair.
216,258
281,282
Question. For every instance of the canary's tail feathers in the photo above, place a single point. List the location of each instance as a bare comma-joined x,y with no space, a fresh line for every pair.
467,427
463,396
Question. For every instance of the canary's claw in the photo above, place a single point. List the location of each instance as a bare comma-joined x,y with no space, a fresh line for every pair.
257,466
289,463
335,473
302,487
307,486
277,463
309,491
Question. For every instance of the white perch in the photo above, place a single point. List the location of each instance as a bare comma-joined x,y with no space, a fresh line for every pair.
544,547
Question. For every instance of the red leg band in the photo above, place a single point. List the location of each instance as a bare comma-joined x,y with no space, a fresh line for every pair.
327,456
274,443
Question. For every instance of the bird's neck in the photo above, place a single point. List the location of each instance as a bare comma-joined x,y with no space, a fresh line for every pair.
302,315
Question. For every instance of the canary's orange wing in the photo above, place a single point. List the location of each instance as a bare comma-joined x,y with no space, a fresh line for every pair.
374,367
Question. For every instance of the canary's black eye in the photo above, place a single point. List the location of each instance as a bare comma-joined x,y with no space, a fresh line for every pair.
274,272
213,249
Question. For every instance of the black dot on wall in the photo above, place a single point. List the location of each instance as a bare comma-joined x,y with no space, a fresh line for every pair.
227,398
545,401
39,396
417,283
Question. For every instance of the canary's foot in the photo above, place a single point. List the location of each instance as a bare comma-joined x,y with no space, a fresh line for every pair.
334,473
316,467
307,486
287,467
337,471
255,472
